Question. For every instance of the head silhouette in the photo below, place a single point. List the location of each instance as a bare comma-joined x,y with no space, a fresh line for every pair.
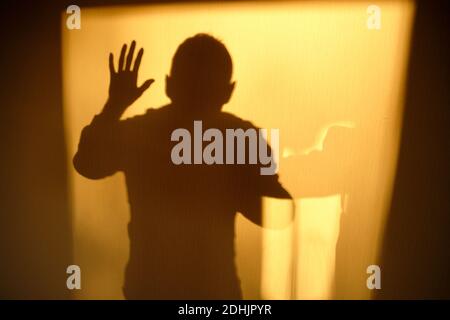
200,78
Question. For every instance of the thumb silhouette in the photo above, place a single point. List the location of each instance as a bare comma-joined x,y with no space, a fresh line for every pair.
145,86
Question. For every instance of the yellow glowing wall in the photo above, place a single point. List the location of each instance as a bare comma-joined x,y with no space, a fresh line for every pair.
312,69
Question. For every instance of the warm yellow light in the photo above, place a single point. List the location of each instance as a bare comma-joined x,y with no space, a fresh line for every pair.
302,67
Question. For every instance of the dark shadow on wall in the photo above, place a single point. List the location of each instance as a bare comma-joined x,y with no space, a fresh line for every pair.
182,216
416,260
35,216
35,228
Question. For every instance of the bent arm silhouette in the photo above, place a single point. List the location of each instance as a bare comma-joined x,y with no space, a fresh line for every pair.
102,144
326,172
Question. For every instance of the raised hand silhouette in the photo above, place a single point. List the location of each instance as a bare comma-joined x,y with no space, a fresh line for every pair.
123,88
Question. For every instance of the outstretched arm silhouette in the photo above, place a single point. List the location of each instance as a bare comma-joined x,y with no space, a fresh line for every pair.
105,143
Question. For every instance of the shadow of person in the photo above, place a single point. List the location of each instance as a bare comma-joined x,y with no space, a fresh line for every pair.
182,216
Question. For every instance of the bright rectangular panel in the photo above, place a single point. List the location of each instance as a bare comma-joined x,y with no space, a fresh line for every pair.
314,70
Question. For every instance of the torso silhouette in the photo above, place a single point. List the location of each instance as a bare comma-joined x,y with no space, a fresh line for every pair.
182,216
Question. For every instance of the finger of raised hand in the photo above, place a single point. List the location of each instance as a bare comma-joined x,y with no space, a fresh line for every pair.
111,64
130,56
122,57
137,63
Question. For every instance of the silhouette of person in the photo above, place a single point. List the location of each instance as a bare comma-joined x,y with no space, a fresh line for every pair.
182,216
